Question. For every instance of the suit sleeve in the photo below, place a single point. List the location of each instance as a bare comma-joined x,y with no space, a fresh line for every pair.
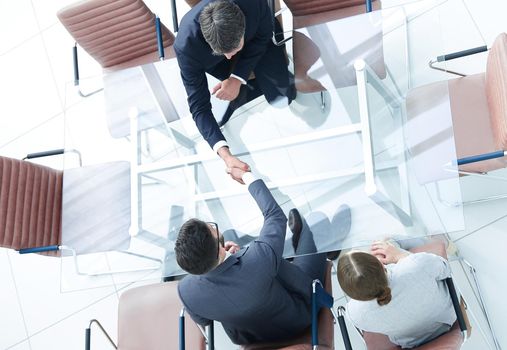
272,236
197,319
198,97
255,48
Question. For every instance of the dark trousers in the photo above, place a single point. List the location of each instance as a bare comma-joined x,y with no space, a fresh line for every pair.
312,264
272,77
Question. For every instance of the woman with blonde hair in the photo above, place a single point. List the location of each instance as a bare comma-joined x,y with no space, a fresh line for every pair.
396,293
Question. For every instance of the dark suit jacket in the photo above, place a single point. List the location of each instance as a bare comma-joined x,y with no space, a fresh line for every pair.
256,294
195,58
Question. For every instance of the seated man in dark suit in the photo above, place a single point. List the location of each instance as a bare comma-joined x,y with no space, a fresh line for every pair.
256,294
230,39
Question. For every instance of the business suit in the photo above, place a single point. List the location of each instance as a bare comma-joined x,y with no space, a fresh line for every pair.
259,55
256,294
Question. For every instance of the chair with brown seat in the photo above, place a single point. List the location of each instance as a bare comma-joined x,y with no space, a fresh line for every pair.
121,34
325,330
118,34
451,340
85,211
148,319
478,107
311,42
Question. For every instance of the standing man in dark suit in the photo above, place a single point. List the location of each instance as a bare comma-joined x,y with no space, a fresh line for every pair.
230,39
256,294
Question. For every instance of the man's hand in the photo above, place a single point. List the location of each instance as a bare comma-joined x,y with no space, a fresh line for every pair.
227,90
387,253
231,247
234,167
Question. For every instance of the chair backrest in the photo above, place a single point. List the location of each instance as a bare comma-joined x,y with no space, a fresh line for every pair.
304,341
117,33
311,12
30,204
148,319
496,90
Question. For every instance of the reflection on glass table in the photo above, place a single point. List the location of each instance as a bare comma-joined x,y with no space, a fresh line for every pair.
353,152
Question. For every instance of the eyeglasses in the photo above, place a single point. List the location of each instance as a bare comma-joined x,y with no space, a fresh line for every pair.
214,225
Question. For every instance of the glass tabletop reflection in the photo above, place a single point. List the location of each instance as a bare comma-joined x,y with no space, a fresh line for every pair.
344,143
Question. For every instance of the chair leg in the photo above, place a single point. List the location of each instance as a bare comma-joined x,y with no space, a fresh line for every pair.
481,302
322,101
88,335
486,199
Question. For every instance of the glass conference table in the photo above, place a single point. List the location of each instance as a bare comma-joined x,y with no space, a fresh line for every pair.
345,144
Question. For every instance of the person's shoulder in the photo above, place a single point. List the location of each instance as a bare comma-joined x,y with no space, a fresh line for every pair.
251,5
421,258
358,311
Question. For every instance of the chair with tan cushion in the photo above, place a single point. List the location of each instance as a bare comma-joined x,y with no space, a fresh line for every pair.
118,34
304,341
148,319
122,34
448,341
478,106
83,210
311,42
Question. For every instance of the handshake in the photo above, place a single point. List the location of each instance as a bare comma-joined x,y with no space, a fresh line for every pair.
234,167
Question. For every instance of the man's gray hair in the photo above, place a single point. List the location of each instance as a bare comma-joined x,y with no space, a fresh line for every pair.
222,25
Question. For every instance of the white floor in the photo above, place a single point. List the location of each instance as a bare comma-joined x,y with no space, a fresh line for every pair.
38,313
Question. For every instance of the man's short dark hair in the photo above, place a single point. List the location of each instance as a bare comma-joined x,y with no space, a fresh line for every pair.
196,247
222,25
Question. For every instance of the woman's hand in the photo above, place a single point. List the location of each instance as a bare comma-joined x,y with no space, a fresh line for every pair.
387,253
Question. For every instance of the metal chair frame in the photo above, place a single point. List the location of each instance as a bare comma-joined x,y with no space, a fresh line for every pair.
54,248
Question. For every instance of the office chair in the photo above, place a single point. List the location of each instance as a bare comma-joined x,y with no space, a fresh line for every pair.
90,205
321,334
307,49
148,320
451,340
118,34
478,106
121,34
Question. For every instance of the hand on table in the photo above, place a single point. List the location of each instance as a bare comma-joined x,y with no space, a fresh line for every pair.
227,90
387,253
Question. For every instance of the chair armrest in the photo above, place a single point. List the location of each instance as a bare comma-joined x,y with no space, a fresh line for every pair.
175,16
463,53
369,6
343,328
456,304
454,55
481,157
274,14
160,42
49,248
208,332
49,153
54,152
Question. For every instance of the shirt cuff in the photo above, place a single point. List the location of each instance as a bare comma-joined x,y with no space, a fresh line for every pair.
219,144
239,78
248,178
